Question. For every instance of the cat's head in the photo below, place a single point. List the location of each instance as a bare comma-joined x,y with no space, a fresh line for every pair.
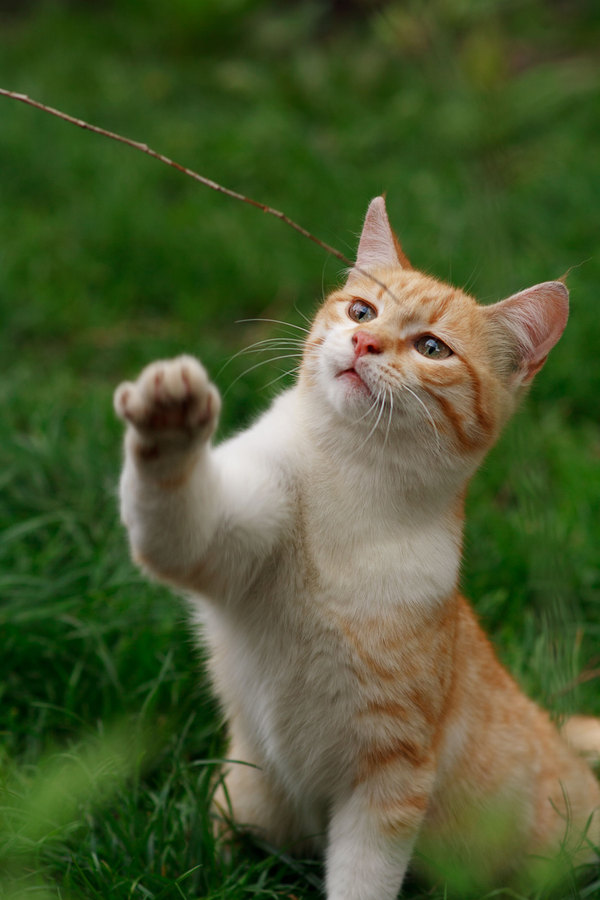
398,354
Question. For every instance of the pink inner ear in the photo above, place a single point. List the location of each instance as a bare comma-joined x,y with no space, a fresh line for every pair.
535,318
377,246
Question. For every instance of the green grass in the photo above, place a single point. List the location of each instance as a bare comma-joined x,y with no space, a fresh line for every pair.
481,122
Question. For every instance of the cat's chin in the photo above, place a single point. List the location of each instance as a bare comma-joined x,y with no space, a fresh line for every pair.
348,394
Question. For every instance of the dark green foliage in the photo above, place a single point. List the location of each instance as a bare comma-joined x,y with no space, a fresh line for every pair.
481,122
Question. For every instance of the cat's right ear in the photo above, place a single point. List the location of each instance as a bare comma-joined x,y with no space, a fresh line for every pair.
531,323
378,246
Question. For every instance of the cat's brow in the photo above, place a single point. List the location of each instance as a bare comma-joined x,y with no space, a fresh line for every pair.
414,321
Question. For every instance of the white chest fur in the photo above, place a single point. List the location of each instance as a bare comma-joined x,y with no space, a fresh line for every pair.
352,551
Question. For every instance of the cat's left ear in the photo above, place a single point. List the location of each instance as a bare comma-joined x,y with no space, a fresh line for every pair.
378,246
531,322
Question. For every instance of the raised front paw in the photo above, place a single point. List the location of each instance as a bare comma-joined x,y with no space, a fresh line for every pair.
171,401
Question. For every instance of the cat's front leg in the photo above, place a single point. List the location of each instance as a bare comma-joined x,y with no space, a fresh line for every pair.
371,839
170,491
198,517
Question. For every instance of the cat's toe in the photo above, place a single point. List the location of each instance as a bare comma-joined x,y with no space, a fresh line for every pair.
124,401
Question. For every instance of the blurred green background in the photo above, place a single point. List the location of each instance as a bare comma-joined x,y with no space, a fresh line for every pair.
481,121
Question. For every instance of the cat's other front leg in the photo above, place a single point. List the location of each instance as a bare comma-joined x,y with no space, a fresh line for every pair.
169,485
371,839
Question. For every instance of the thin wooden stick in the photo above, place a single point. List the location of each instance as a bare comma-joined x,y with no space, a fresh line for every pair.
207,182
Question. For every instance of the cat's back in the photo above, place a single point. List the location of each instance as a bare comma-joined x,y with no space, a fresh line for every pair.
503,769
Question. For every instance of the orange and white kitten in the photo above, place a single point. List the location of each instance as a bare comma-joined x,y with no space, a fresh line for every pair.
321,551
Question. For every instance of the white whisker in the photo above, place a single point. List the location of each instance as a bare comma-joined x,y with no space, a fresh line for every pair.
263,362
389,422
303,316
378,419
275,321
263,346
283,374
368,412
427,413
278,345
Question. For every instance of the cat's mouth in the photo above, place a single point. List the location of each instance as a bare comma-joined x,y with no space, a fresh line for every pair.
351,376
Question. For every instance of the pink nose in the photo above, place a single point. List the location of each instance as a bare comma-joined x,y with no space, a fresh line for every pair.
365,343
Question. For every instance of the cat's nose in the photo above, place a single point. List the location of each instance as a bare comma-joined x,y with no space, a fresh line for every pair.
364,343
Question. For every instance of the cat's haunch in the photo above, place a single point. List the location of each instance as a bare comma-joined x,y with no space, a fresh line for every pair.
320,551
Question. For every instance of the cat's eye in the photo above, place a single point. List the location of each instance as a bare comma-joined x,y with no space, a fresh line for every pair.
361,311
431,347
